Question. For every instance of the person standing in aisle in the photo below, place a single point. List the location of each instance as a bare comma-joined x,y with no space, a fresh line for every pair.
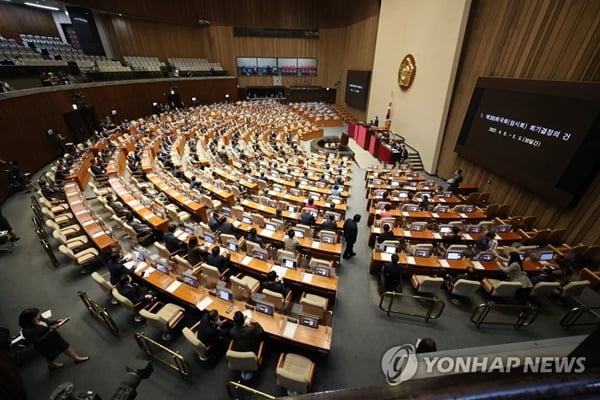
350,235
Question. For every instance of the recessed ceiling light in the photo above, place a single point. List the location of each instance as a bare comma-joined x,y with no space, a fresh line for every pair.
41,6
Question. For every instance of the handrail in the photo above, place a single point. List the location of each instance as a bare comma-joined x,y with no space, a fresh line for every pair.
572,316
431,310
526,314
147,345
99,312
241,389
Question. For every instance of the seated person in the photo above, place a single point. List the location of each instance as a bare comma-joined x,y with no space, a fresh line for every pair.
53,194
290,243
329,223
392,274
335,191
486,243
217,260
172,243
196,254
115,268
546,275
117,206
424,203
387,234
194,183
211,328
214,222
310,203
135,293
246,333
386,212
253,237
139,227
452,238
61,174
97,169
306,218
225,226
514,272
274,284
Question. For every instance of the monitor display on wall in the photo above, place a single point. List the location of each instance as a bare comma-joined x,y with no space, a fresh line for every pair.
541,135
357,89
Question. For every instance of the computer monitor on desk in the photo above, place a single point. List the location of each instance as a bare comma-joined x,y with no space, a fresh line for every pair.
447,195
288,263
469,209
546,255
247,219
323,271
454,255
299,233
415,227
190,279
310,321
293,209
503,228
226,212
233,246
260,254
412,208
474,229
445,228
209,238
442,209
486,257
264,307
269,226
163,268
389,249
328,239
139,256
421,253
224,294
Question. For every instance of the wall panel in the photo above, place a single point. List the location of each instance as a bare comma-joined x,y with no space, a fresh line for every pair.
536,39
16,19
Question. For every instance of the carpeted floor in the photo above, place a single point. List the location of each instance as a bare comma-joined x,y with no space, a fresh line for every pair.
361,332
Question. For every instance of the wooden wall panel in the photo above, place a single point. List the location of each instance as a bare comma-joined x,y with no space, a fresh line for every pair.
536,39
24,119
17,19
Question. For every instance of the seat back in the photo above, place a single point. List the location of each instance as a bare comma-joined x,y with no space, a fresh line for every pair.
258,219
543,289
155,320
124,301
285,254
430,284
574,288
275,298
162,250
199,347
103,283
182,264
242,360
388,221
330,234
211,275
240,289
506,289
458,247
465,287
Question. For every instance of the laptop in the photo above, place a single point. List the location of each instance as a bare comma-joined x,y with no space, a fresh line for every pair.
246,219
454,255
546,255
209,238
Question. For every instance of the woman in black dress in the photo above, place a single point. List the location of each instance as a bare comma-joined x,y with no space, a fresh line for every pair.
45,338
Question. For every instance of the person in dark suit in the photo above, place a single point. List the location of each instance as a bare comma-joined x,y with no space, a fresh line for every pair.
217,260
455,181
245,334
225,226
387,234
274,284
329,223
115,268
171,242
211,328
214,222
46,339
135,293
196,254
453,238
350,235
117,207
392,274
253,237
306,218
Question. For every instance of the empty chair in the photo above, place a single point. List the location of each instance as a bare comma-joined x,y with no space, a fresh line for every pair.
318,262
258,219
243,287
177,215
278,300
83,257
60,219
295,373
244,361
528,222
503,211
210,203
472,198
465,288
182,264
72,243
314,305
55,208
491,211
426,283
483,199
284,254
555,237
535,237
543,289
162,250
573,289
488,225
211,276
125,302
67,230
387,221
105,285
237,212
164,317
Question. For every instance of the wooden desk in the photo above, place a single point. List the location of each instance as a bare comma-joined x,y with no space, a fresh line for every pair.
372,200
313,339
252,187
116,164
181,199
94,228
118,186
427,215
434,265
226,197
429,236
301,200
79,172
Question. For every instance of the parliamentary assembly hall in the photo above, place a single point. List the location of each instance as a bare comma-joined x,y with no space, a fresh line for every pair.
336,199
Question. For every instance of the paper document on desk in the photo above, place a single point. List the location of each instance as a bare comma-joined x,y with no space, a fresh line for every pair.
293,215
262,207
279,270
463,215
247,314
290,329
180,234
130,264
437,235
435,215
405,213
76,202
467,236
81,212
386,256
315,245
140,266
188,201
410,260
266,232
478,265
236,224
173,286
246,260
148,271
406,233
307,278
204,303
98,234
444,263
86,223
